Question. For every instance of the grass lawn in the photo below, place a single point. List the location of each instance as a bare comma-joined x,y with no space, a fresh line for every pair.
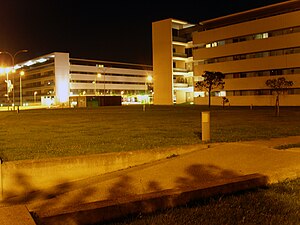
35,134
278,204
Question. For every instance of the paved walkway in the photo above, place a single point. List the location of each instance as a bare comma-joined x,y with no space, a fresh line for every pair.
206,165
15,215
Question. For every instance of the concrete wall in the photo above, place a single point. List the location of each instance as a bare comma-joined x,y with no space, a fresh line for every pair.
62,79
24,176
180,97
162,62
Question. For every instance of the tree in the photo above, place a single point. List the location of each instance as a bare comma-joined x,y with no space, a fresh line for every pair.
224,101
279,85
211,81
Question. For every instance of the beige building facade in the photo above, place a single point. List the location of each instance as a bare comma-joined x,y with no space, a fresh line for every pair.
248,47
172,62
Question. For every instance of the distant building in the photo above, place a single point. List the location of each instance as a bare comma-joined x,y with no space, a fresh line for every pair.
248,47
56,79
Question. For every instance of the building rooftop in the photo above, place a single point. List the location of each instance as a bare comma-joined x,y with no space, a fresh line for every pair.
258,13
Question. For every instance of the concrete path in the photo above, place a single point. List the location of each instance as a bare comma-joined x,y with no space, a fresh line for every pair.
201,168
15,215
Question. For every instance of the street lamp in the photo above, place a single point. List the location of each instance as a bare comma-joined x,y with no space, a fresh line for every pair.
95,83
99,75
13,56
102,71
8,83
21,100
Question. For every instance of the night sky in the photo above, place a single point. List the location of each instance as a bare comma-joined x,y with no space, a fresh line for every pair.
104,30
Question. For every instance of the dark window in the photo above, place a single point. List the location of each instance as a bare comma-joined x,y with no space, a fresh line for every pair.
236,75
175,33
243,75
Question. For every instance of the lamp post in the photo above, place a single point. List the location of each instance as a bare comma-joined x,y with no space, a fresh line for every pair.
13,56
95,83
102,71
21,97
8,86
99,75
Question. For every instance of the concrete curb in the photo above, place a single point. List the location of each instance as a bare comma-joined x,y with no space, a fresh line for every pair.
102,211
18,178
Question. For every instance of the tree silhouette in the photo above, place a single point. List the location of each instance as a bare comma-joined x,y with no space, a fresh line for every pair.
279,85
211,81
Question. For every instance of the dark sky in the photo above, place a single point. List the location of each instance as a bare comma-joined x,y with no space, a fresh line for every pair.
104,30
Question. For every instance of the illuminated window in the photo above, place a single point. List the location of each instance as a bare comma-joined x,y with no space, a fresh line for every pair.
214,44
219,93
265,35
261,36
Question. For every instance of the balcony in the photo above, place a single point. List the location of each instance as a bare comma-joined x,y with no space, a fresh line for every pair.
181,85
178,54
180,39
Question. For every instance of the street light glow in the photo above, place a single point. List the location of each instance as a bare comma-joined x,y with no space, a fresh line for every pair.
22,73
4,70
149,78
12,56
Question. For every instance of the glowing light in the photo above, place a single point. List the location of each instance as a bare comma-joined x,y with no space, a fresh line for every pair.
8,69
41,60
29,63
17,67
62,91
149,78
5,70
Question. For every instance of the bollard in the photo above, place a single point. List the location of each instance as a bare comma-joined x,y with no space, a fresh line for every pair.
205,126
1,181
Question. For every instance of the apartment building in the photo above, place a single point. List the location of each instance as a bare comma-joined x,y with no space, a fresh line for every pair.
248,47
57,79
172,61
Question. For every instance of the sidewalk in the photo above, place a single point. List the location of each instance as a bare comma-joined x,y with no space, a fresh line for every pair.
201,168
